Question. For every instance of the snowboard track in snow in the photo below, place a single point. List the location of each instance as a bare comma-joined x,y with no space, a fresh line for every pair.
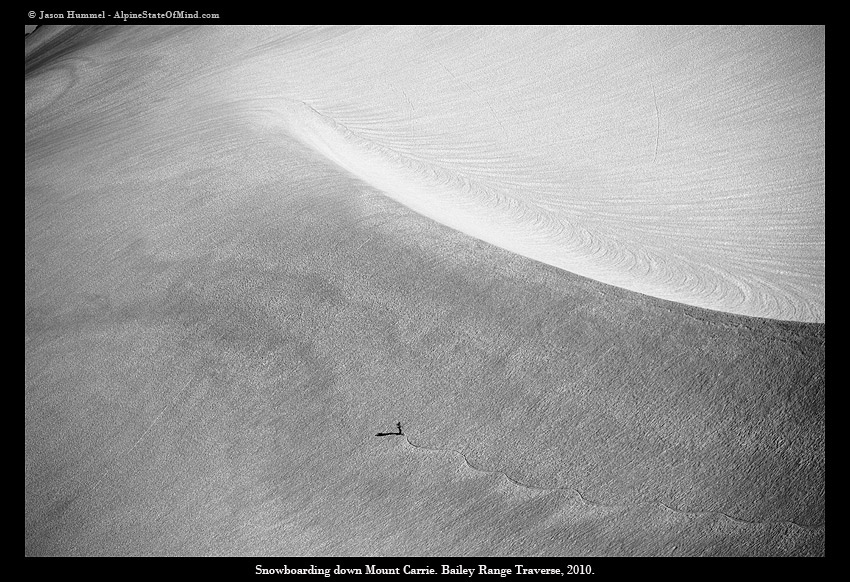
591,503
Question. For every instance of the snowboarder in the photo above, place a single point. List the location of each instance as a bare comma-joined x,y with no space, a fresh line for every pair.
399,433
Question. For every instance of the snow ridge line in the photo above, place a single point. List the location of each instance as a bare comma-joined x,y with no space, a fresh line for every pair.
522,226
586,501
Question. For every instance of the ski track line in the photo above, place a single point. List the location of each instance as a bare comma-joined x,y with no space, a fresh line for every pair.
586,501
657,122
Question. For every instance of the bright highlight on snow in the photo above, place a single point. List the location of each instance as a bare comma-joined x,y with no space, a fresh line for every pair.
684,166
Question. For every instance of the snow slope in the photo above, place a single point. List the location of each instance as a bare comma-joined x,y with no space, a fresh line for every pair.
686,164
248,251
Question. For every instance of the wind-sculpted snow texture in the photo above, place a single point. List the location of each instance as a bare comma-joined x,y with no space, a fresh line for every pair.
686,164
250,250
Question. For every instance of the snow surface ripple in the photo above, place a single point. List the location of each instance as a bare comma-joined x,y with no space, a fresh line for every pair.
691,185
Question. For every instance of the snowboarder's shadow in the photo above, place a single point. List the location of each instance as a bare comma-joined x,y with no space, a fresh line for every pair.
399,433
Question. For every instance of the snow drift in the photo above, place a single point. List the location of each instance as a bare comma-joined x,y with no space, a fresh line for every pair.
247,252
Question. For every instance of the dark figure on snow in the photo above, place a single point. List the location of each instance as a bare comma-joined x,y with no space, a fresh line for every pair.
399,433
